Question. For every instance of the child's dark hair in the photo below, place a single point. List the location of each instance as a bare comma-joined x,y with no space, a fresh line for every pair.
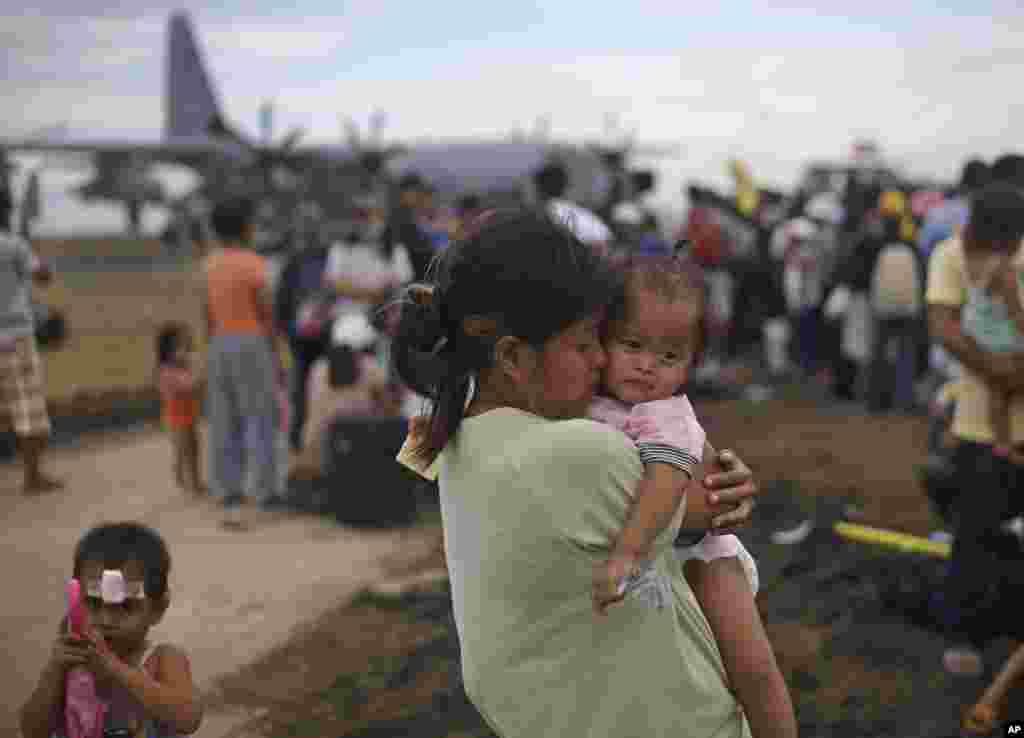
167,341
114,544
997,215
670,277
230,218
518,268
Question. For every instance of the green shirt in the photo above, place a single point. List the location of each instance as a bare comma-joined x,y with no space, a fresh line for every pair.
529,506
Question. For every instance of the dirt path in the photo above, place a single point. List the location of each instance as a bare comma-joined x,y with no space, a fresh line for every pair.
234,595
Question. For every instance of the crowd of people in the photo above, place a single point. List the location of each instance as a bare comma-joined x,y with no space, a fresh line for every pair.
906,300
587,520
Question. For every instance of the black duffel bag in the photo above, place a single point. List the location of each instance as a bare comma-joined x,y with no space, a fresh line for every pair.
366,486
50,326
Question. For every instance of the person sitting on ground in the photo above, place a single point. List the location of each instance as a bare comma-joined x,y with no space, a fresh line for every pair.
534,495
988,481
179,386
147,687
347,381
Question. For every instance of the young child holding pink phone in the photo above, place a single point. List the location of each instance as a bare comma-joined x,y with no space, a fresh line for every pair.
105,678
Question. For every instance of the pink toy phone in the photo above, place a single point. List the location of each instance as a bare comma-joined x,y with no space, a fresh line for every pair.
76,610
84,711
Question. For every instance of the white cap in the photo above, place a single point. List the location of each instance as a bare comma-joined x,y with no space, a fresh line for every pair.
628,213
353,330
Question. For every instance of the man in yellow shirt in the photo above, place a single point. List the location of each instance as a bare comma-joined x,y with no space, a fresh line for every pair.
991,486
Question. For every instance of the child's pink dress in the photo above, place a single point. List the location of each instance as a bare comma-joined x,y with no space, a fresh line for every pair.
668,431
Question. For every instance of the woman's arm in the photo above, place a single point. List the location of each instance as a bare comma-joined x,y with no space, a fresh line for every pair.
723,591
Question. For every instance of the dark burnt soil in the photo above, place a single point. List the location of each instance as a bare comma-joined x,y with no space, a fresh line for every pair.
847,620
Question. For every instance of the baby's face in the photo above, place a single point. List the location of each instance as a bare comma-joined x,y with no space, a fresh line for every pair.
649,353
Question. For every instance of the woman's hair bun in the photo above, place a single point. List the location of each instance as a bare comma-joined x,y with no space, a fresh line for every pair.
419,357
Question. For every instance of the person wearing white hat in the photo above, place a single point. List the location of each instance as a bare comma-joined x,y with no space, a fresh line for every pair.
348,381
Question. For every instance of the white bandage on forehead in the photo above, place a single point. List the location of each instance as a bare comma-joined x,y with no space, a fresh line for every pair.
114,589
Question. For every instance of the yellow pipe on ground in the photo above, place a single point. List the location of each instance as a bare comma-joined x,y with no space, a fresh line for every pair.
892,539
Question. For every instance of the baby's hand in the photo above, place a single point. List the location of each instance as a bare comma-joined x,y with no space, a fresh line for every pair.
609,580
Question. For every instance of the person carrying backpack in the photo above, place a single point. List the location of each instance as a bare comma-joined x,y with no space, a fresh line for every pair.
895,294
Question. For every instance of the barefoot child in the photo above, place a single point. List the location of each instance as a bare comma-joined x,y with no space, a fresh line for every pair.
179,397
650,338
146,688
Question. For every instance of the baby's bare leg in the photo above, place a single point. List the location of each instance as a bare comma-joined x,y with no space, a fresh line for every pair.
724,594
178,454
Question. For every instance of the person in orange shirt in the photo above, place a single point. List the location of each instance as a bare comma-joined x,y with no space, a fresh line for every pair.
243,367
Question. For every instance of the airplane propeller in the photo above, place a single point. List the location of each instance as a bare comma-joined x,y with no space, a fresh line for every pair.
369,152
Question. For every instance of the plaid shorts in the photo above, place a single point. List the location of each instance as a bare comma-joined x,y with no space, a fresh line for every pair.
22,394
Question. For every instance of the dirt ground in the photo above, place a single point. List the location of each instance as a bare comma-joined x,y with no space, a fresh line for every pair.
388,666
285,644
234,596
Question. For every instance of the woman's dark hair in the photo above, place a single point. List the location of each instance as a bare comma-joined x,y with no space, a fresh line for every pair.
997,215
520,269
167,341
671,277
114,544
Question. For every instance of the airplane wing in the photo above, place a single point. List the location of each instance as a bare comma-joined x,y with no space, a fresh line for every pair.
188,151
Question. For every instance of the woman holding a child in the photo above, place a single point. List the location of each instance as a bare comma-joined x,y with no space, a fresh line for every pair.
507,344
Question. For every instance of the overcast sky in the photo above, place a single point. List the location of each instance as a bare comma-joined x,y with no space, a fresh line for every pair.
776,87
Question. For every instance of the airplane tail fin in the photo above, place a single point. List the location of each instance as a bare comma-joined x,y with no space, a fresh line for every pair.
191,107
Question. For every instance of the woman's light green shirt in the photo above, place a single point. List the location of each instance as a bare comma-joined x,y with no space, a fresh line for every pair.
529,505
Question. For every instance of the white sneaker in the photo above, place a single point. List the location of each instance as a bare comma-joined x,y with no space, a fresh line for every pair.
793,535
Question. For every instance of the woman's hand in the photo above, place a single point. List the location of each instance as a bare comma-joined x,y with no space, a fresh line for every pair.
734,485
